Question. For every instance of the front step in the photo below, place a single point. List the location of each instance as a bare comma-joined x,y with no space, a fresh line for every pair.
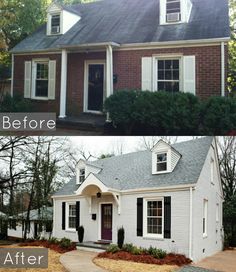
92,246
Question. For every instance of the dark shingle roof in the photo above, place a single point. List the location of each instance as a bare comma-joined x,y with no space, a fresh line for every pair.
133,21
134,170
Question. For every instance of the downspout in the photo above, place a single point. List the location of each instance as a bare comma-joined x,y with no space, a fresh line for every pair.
222,69
12,74
190,222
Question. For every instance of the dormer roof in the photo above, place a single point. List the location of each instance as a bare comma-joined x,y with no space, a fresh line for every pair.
133,22
116,175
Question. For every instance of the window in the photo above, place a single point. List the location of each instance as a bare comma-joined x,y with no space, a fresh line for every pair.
71,216
81,175
168,75
55,24
217,212
205,207
41,84
154,218
161,162
173,11
212,171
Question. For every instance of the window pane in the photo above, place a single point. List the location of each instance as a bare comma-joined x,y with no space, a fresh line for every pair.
161,74
168,75
161,167
175,64
161,157
161,86
161,64
168,64
41,88
176,75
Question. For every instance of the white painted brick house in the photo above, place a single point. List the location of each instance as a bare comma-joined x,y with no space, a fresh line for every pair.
170,198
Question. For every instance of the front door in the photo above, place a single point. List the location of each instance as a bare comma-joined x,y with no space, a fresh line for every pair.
106,222
95,87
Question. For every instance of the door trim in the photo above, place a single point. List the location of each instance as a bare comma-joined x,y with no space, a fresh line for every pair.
86,77
100,219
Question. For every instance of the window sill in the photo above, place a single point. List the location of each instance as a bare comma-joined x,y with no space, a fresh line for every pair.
40,98
153,238
71,230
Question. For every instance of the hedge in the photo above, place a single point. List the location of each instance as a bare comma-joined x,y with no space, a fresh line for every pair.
135,111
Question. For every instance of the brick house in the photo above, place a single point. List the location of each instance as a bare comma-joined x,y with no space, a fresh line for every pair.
85,52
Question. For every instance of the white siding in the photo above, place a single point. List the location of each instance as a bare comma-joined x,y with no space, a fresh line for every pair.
68,20
174,159
212,192
128,218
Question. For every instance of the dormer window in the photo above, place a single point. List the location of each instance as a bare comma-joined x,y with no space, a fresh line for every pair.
55,24
173,11
81,175
161,162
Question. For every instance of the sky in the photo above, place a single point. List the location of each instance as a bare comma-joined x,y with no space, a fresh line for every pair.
112,145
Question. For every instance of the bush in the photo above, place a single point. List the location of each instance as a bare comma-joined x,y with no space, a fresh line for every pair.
65,243
157,253
155,112
128,247
113,248
81,233
15,104
162,113
53,240
218,116
121,237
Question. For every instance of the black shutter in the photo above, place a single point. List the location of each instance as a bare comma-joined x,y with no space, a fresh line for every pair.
63,224
77,215
167,217
139,217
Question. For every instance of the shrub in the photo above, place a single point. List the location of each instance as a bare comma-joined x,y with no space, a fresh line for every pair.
121,237
113,248
218,116
156,112
157,253
81,233
15,104
53,240
128,247
65,243
137,250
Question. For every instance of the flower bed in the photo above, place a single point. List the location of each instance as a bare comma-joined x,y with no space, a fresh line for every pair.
54,246
169,259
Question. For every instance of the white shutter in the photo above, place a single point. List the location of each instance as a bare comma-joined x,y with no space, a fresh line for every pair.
27,85
147,74
189,74
162,10
52,80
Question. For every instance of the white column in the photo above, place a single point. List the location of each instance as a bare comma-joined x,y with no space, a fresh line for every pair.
63,84
12,74
222,69
190,221
109,70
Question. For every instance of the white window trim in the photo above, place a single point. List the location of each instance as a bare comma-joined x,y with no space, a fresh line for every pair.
156,58
67,216
205,215
181,14
145,234
33,77
50,23
168,169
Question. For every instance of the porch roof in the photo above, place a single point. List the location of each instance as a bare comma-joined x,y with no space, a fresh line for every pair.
132,22
134,171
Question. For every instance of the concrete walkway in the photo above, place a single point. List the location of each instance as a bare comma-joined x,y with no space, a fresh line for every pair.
224,261
80,261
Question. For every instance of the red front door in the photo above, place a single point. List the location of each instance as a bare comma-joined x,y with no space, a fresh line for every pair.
107,222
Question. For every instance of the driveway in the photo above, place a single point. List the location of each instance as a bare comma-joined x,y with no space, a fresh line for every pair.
224,261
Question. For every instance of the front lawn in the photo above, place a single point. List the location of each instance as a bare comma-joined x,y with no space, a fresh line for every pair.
125,266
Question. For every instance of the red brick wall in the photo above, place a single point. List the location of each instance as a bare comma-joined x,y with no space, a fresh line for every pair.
38,105
127,65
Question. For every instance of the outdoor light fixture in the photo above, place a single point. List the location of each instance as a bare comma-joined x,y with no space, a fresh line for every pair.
99,195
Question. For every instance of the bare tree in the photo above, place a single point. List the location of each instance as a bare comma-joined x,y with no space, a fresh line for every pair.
149,142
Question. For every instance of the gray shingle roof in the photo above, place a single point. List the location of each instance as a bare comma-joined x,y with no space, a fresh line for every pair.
133,21
134,170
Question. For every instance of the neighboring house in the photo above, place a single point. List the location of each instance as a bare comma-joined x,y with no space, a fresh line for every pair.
40,224
170,197
86,52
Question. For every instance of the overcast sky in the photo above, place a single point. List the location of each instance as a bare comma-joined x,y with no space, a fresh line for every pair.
108,145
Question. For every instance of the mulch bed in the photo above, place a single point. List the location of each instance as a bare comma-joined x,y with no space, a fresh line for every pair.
55,247
170,259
